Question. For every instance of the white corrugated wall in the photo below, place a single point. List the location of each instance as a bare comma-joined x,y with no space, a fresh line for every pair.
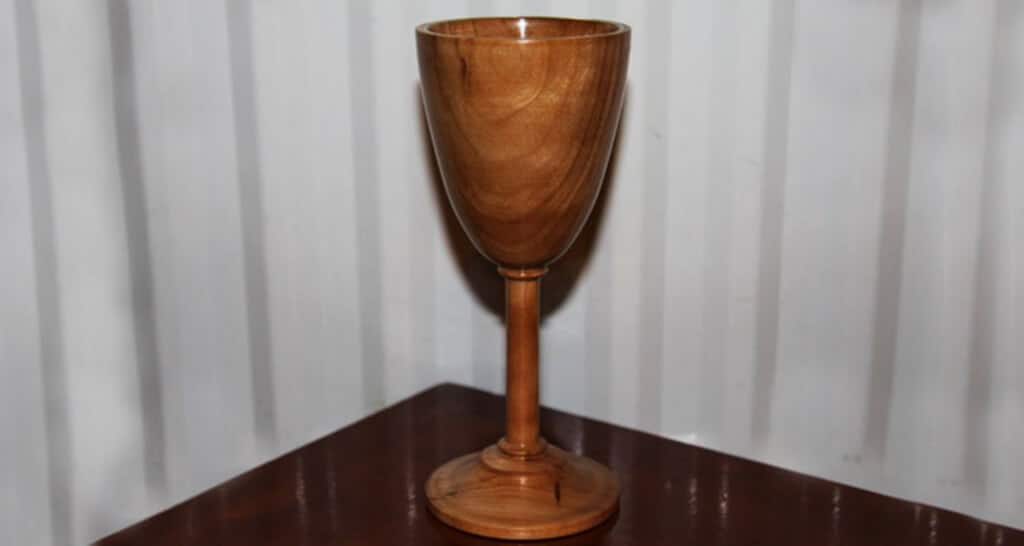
221,236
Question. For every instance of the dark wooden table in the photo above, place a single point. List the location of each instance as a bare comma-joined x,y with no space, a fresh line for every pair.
364,485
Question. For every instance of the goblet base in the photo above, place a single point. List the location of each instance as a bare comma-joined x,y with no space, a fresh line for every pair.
551,494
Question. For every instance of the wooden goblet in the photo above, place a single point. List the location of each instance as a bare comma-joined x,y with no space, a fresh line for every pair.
522,113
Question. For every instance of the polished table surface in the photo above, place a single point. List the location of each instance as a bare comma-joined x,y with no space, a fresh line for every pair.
364,485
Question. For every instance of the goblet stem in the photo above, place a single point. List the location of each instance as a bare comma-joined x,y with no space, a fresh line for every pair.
522,321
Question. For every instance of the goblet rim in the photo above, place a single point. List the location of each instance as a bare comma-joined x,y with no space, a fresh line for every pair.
615,29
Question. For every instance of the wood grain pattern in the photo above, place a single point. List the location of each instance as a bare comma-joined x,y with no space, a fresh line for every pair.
361,486
522,128
553,494
522,113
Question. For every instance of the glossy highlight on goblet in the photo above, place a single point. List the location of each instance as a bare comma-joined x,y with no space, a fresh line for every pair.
522,114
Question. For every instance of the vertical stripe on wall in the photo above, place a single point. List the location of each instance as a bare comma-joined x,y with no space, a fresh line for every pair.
892,232
597,324
752,34
625,216
832,202
423,217
364,138
1003,233
715,297
399,174
216,181
103,385
194,222
285,99
155,176
25,481
47,293
776,152
336,283
134,203
650,358
687,137
982,340
941,241
251,207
